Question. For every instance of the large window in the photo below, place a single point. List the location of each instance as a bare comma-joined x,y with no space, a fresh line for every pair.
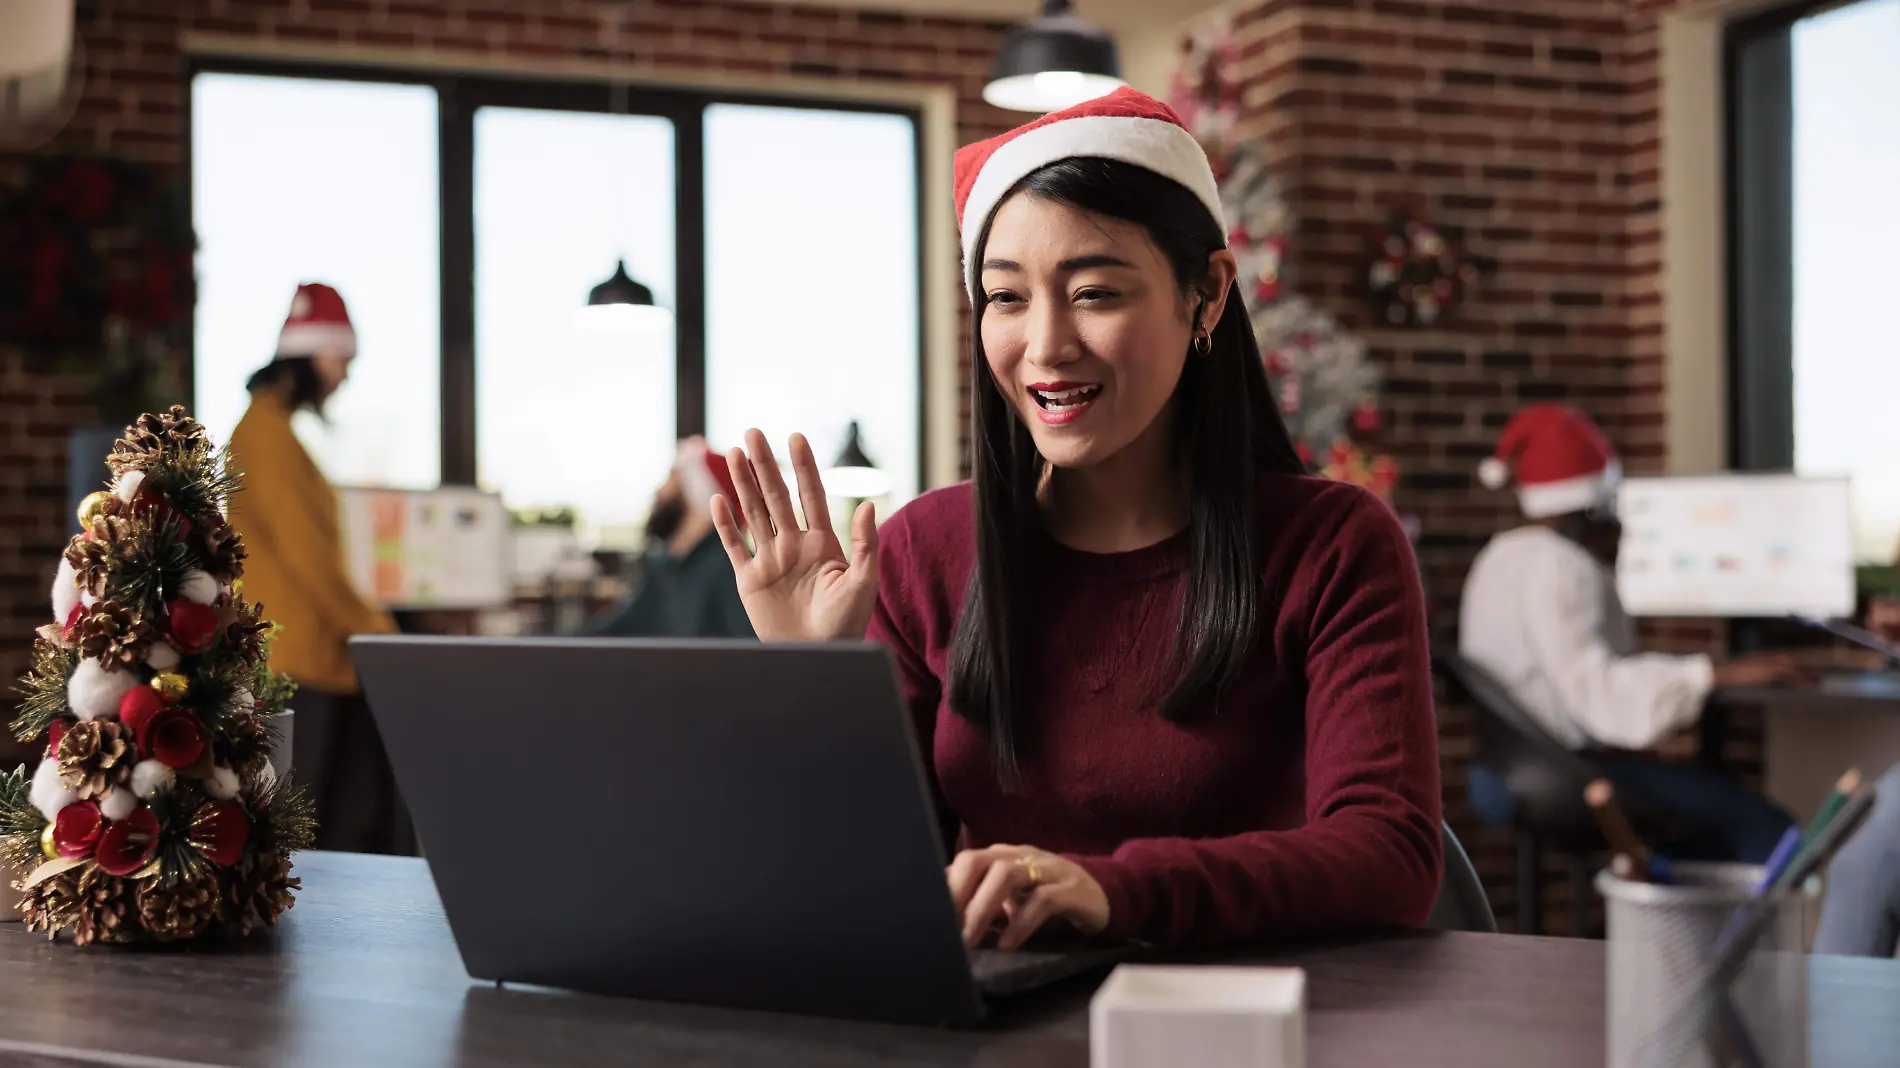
1815,158
465,221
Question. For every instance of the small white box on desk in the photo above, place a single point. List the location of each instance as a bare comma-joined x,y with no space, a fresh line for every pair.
1148,1016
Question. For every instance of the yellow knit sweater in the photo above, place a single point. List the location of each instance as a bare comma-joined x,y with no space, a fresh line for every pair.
287,514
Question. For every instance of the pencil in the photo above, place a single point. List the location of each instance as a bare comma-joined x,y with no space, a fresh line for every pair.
1601,797
1844,787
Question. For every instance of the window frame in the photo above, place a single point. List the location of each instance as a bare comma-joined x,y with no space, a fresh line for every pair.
459,95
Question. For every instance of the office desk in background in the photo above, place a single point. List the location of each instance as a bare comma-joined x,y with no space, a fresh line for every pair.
1811,735
363,971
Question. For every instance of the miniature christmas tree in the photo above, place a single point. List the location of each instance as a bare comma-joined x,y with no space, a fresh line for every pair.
154,812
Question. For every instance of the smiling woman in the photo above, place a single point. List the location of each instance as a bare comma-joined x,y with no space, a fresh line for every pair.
1171,688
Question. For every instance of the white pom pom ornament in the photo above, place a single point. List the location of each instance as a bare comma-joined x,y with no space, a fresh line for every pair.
117,804
162,657
151,778
1494,473
127,487
47,793
198,588
65,592
93,692
223,784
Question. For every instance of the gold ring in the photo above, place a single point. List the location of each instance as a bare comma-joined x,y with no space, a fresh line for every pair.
1029,865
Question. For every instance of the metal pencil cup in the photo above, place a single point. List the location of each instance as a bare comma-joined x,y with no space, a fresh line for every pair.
1663,1012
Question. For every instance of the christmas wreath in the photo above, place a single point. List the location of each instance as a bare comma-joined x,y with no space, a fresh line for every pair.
96,276
154,812
1417,274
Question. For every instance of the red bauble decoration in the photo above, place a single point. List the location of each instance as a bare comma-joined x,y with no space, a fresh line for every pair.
1367,420
173,738
139,704
220,831
126,845
192,627
53,734
158,511
77,828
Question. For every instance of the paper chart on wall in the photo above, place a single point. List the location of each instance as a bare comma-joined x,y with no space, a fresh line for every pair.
1736,545
445,548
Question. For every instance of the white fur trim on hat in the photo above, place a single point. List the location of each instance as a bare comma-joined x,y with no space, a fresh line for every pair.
696,480
118,803
1568,495
1156,144
47,793
151,778
1493,473
65,592
308,339
93,692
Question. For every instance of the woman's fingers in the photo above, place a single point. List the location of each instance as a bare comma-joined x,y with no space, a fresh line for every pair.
1028,915
750,500
729,534
778,497
1004,878
811,486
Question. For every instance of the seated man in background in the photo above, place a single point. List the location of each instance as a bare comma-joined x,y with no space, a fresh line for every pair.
685,588
1541,613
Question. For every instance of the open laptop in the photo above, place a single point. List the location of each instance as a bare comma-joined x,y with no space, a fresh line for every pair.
730,823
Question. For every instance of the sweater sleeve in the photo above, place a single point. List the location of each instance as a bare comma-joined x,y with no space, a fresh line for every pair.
1623,701
1369,853
276,491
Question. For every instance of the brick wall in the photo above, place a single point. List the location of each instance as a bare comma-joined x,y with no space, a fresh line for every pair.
134,102
1532,128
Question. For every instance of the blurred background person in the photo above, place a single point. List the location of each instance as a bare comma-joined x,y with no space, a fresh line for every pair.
1542,614
685,587
288,516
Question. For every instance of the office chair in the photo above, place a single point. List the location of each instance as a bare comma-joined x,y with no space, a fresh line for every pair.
1523,778
1461,904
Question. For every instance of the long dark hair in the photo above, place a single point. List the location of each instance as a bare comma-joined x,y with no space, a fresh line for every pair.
1228,429
297,377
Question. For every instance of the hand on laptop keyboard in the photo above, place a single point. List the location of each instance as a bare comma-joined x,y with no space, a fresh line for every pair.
1023,888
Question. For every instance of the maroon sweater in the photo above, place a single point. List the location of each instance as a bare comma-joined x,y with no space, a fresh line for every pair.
1305,803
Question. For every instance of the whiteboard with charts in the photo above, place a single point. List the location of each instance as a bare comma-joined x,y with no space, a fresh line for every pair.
443,548
1736,545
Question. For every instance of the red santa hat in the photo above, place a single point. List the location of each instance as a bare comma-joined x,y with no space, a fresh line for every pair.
1558,460
1125,125
317,321
703,472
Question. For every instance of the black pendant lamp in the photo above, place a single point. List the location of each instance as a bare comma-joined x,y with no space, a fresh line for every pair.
620,289
1054,62
853,475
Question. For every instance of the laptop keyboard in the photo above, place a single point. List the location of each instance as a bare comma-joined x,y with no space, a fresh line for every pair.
1003,972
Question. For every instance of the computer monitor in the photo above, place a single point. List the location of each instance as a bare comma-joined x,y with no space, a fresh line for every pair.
1736,545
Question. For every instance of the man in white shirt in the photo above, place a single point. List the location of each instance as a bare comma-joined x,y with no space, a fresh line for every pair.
1541,613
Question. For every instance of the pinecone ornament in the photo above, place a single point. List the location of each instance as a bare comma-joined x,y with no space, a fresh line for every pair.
95,756
224,552
112,633
180,906
250,743
249,632
145,441
52,905
104,909
92,554
260,889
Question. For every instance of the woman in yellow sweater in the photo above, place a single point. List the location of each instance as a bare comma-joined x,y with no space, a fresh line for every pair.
287,514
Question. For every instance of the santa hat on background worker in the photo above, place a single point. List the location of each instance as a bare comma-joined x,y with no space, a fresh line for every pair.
1125,125
1556,458
703,472
318,322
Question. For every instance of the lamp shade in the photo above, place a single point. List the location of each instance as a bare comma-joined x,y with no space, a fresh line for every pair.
620,288
621,305
853,474
1054,62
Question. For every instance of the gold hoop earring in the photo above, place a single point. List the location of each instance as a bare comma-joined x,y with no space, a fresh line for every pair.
1204,344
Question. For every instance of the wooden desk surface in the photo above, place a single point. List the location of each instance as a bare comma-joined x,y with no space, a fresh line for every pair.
363,971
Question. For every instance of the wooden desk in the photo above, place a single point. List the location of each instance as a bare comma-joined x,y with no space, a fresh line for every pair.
1810,736
364,972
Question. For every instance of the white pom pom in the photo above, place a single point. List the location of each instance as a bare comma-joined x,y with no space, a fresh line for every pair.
223,784
162,657
117,804
151,778
266,777
198,588
1494,473
65,592
127,487
93,692
48,794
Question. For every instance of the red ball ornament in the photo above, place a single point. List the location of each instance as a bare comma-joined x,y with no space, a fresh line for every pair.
139,705
192,627
77,828
173,738
158,511
1366,420
220,830
126,845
